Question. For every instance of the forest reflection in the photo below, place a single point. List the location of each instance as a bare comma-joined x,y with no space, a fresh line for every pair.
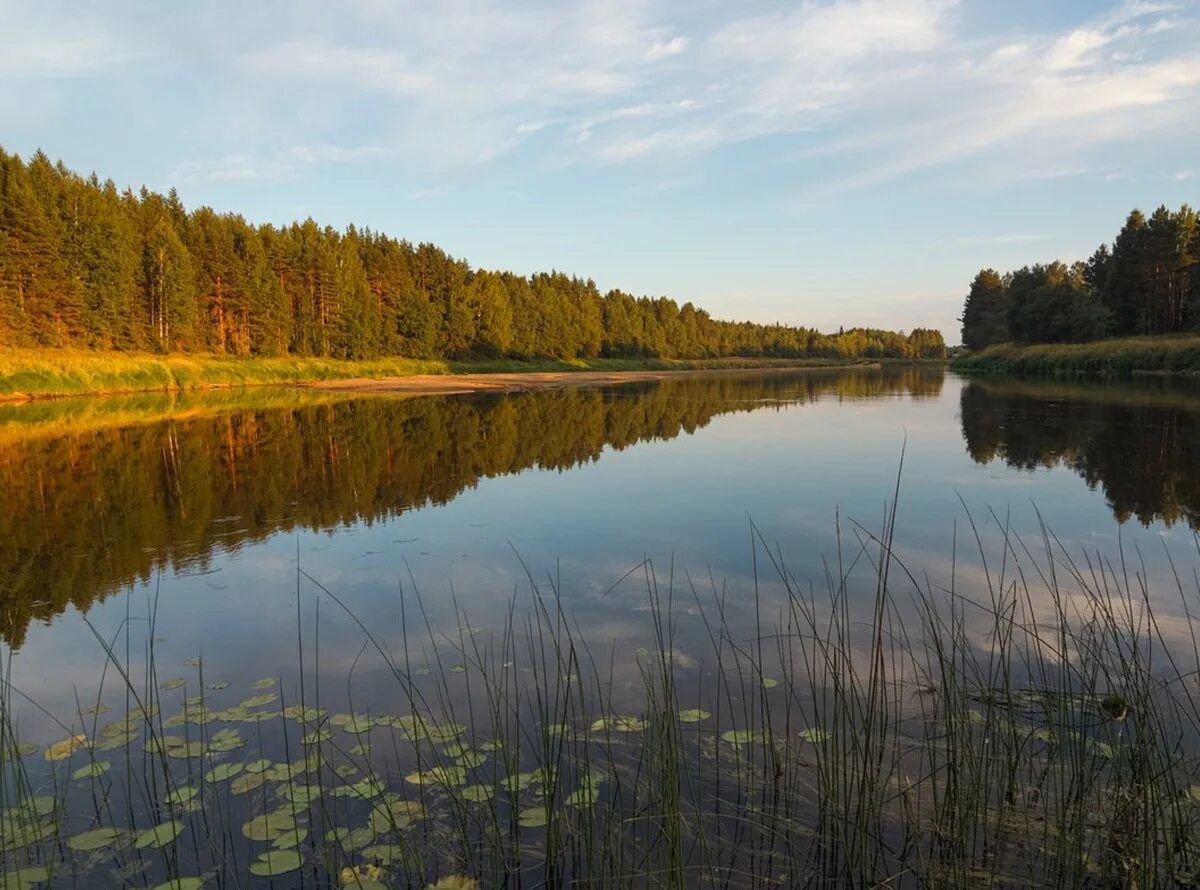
103,494
1139,442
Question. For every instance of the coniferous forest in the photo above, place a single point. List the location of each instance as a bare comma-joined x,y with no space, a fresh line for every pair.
1147,282
86,265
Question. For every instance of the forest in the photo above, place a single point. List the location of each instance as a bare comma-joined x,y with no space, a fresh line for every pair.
1145,283
85,265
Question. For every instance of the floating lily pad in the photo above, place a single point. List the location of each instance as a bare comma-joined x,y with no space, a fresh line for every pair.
395,814
304,713
219,685
226,740
173,683
439,775
96,839
257,701
24,878
354,839
264,683
815,735
769,682
64,749
693,715
470,759
477,793
384,853
742,736
258,766
276,862
316,737
291,839
181,884
116,742
533,817
620,724
222,771
192,662
247,782
92,770
95,709
182,794
269,826
359,725
160,835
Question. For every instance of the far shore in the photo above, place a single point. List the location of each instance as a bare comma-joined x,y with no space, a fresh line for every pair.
455,384
28,374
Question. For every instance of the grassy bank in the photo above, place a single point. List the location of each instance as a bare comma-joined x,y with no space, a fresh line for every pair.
1100,358
28,373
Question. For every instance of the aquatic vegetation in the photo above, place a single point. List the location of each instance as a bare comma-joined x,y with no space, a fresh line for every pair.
889,751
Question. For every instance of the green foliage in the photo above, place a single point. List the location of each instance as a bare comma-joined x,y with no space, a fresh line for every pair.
84,266
1146,284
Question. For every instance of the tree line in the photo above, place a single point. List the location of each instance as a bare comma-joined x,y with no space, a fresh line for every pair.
160,495
1146,282
85,265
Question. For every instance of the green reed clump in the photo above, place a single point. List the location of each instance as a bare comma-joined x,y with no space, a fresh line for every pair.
1025,723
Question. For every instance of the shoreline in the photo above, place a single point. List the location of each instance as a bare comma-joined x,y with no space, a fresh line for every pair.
529,381
31,376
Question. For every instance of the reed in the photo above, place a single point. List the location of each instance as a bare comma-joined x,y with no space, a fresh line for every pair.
1029,724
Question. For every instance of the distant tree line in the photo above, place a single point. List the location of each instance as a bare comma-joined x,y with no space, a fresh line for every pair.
1146,282
83,264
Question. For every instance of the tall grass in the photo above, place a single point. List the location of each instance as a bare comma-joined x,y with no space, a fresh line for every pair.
1030,724
1175,354
30,373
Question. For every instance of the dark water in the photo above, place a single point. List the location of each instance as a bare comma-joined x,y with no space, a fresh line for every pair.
179,521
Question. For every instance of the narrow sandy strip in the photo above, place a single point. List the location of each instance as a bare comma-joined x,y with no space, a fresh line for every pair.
450,384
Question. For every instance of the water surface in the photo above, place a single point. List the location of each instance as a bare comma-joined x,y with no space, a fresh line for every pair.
205,527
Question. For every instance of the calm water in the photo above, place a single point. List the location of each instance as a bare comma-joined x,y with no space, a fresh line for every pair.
179,521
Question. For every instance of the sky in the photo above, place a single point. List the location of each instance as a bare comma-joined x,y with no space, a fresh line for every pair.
823,162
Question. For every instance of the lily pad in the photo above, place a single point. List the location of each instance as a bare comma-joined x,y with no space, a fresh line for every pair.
291,839
533,817
64,749
24,878
265,683
96,839
693,715
258,766
769,682
257,701
247,782
269,826
173,683
622,723
92,770
181,884
160,835
439,775
221,772
815,735
742,736
182,794
276,862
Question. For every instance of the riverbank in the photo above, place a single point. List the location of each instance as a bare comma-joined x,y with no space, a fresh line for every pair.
33,374
1176,354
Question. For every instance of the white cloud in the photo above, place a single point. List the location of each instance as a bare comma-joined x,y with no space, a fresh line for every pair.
666,49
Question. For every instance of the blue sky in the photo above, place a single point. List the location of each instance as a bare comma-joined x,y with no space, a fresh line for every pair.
821,163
